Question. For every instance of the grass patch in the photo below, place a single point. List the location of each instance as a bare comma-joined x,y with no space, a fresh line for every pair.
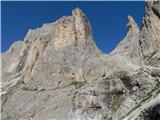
148,57
25,88
77,84
110,77
116,103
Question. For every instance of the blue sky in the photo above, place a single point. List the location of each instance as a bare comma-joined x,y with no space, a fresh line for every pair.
108,19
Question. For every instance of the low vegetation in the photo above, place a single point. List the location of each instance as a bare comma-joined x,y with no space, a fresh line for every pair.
116,103
26,88
78,84
148,57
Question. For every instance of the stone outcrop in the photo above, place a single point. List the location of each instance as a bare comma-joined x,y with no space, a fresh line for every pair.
139,44
150,37
82,28
129,47
132,25
58,73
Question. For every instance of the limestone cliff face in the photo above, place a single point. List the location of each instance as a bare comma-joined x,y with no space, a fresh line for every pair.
58,73
129,47
141,43
82,28
150,34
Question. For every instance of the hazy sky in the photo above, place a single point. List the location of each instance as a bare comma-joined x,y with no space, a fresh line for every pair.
108,19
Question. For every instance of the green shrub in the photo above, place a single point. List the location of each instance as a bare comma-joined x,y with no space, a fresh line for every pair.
25,88
77,84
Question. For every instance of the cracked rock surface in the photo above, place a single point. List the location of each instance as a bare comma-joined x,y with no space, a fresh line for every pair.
58,73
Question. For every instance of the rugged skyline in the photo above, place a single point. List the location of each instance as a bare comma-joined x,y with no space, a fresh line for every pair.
109,26
57,72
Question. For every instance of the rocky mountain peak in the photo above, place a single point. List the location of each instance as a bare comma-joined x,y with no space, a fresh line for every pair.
57,73
132,25
64,43
153,5
72,30
150,37
144,42
82,27
129,46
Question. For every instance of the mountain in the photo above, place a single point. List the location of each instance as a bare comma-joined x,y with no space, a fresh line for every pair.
58,73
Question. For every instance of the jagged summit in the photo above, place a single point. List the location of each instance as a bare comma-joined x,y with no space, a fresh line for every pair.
138,44
132,25
129,46
68,30
82,27
58,73
69,38
150,37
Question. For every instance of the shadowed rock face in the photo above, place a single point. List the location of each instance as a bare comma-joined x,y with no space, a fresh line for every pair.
151,113
154,112
57,72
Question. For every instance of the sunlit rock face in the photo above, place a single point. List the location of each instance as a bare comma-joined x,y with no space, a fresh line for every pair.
58,73
150,34
129,47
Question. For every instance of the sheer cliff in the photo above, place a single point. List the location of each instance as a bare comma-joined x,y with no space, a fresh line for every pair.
58,73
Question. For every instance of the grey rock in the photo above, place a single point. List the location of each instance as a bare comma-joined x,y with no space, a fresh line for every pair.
58,73
150,37
129,47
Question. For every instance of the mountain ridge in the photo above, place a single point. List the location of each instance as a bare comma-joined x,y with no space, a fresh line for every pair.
58,69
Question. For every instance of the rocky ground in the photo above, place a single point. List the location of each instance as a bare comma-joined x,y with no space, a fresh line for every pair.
58,73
